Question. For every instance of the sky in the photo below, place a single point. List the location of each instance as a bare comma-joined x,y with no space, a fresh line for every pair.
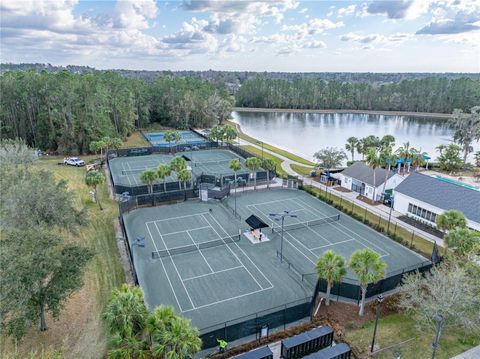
283,35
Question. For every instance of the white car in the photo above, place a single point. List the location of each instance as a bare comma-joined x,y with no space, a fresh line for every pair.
74,161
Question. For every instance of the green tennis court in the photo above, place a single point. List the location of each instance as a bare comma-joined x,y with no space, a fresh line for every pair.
197,258
126,171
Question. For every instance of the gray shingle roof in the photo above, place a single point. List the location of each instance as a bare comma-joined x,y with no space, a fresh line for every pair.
442,194
360,171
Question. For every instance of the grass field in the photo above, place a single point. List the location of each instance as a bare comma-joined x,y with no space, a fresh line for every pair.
301,170
278,162
396,328
79,332
136,139
277,150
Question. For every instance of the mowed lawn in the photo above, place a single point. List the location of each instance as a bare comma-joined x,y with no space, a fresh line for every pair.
79,332
397,328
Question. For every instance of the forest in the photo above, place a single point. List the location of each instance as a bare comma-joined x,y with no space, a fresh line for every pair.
64,111
433,94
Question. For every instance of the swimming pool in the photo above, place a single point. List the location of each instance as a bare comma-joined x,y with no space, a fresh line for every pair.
457,183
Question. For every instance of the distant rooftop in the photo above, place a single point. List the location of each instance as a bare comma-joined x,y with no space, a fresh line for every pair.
442,194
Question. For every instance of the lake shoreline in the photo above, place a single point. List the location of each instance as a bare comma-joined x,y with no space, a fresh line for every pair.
387,113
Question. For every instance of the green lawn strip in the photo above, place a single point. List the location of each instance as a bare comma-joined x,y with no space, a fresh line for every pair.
136,139
397,233
396,328
258,153
301,170
277,150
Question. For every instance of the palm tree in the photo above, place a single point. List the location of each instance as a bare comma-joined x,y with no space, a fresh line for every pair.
387,141
351,145
148,177
182,340
331,267
268,165
93,179
441,148
184,176
404,153
163,171
448,221
253,164
235,166
389,158
229,133
125,313
178,164
418,158
361,147
462,239
369,268
374,160
171,136
158,322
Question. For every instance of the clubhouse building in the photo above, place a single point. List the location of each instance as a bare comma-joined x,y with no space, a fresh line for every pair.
424,197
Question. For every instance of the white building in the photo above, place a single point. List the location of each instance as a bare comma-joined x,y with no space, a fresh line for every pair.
423,197
359,178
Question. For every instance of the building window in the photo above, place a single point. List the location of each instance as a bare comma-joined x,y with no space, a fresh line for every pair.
422,212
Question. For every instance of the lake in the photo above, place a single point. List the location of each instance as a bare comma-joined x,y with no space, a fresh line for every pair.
306,133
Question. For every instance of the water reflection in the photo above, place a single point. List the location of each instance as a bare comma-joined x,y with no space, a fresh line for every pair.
306,133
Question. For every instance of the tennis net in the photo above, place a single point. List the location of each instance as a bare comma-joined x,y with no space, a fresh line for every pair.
194,247
315,222
133,171
210,163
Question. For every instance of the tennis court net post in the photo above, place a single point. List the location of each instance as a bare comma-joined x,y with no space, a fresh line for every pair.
315,222
194,247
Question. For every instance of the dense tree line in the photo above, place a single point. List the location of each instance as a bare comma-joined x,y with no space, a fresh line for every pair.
65,111
425,95
239,77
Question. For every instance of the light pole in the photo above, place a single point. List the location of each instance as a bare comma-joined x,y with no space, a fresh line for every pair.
277,217
379,301
235,194
438,330
261,142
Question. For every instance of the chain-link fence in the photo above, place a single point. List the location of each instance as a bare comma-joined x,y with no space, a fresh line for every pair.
276,317
383,222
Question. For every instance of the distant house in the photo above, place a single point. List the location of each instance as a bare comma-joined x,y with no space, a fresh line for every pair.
359,178
424,197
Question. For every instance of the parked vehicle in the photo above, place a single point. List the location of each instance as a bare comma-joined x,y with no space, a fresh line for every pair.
73,161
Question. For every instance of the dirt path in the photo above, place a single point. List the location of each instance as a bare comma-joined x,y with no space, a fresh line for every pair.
391,113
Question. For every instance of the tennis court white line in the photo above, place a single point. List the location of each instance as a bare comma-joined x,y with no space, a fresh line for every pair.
274,201
225,300
165,271
235,255
332,244
346,228
171,218
128,177
207,274
175,266
246,255
294,238
134,177
186,230
200,251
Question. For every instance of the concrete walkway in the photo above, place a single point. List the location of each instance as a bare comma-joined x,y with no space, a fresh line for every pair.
381,210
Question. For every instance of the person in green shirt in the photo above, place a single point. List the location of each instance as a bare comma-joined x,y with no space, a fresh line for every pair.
222,345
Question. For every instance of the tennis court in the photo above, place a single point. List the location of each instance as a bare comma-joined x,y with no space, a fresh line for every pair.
319,227
126,171
196,258
187,138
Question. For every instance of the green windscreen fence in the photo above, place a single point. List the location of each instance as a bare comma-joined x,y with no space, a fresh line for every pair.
278,317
